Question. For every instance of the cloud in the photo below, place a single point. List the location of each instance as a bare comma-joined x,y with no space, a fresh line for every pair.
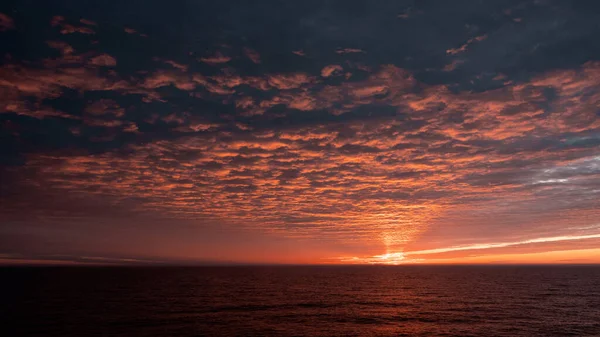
88,22
405,154
252,54
216,59
6,22
453,65
330,70
349,51
462,48
288,81
103,60
163,78
66,28
49,82
61,46
176,65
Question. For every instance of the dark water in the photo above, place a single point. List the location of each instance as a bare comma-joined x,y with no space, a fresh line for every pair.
302,301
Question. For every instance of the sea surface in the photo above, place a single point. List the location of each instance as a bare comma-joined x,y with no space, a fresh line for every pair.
301,301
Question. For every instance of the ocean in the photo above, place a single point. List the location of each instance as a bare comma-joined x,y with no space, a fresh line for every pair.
301,301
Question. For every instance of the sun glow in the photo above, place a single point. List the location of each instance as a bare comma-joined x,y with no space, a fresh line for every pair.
391,258
388,258
403,257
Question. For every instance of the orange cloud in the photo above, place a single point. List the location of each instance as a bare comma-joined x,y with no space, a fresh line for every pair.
163,78
104,60
454,51
330,70
216,59
288,81
176,65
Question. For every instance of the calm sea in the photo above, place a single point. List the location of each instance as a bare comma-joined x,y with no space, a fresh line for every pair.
302,301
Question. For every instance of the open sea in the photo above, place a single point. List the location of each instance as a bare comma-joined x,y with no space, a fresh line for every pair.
301,301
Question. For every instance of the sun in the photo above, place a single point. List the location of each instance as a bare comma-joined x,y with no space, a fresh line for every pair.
389,258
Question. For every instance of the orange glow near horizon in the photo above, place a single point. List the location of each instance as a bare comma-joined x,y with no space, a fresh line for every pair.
481,256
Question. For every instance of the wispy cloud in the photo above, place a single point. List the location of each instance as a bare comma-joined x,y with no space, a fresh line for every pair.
503,244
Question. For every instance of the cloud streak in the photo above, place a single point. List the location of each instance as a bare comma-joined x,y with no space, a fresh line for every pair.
504,244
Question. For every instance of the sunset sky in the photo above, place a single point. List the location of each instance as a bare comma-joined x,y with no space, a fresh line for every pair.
299,132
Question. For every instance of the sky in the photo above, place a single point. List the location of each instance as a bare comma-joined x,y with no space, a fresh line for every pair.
160,132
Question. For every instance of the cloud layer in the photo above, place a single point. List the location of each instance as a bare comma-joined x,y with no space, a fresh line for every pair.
334,137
